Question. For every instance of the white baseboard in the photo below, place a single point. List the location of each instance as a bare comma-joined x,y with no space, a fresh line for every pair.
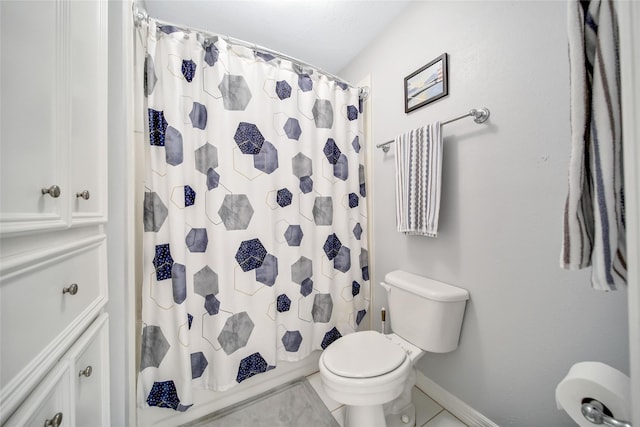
451,403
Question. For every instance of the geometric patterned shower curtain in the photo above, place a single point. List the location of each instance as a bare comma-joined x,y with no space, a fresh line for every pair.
255,226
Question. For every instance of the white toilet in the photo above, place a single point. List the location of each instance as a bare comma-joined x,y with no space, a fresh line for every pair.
369,371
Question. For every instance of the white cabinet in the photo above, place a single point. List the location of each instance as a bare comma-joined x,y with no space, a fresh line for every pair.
48,297
33,147
53,210
76,391
53,114
50,402
89,360
88,110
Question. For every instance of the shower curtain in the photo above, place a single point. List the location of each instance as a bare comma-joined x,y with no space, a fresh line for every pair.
255,242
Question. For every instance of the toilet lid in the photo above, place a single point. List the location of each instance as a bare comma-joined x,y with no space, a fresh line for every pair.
363,355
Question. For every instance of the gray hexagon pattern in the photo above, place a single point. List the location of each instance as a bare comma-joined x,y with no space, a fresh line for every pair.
236,332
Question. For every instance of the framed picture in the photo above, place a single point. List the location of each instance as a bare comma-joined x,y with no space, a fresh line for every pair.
427,84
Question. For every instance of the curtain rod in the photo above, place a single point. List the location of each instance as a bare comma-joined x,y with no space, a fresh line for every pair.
479,116
141,16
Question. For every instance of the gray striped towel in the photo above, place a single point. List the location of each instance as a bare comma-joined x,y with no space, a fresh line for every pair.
594,217
418,173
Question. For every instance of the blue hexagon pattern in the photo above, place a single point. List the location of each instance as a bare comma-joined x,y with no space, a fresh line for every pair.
283,303
331,151
211,304
163,262
198,116
188,69
353,200
357,231
306,184
189,196
248,138
197,240
331,246
355,288
352,112
157,127
306,287
198,364
330,337
251,365
292,340
283,89
250,254
360,316
163,395
284,197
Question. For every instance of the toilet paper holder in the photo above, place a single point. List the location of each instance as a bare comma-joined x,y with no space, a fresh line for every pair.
593,411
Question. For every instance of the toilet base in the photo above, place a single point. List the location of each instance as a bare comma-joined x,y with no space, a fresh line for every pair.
370,416
404,418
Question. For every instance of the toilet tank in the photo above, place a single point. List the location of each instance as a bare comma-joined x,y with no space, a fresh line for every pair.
425,312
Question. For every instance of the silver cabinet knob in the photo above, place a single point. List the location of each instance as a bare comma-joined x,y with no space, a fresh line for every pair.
86,372
53,191
72,289
55,421
83,195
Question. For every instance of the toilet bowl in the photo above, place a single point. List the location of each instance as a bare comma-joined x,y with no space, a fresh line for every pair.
365,370
368,371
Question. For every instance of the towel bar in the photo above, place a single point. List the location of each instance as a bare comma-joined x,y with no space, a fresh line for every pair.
479,116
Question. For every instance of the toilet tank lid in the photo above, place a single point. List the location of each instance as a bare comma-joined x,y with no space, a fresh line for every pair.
425,287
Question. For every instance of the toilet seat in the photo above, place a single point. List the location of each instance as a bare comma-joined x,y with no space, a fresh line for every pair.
364,354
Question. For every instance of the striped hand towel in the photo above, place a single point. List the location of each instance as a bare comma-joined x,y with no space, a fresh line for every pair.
418,173
594,217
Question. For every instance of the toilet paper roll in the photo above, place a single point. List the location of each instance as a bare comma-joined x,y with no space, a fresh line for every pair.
594,380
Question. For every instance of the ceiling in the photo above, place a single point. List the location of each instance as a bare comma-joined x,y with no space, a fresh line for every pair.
325,33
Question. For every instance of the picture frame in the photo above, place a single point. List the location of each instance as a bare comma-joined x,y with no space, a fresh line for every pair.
427,84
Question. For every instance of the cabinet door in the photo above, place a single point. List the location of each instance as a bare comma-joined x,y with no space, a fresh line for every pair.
49,401
33,115
91,375
88,116
51,296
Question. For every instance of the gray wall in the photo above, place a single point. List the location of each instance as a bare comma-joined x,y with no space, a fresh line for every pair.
503,192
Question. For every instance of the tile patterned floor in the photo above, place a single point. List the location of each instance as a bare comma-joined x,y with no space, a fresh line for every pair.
428,412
